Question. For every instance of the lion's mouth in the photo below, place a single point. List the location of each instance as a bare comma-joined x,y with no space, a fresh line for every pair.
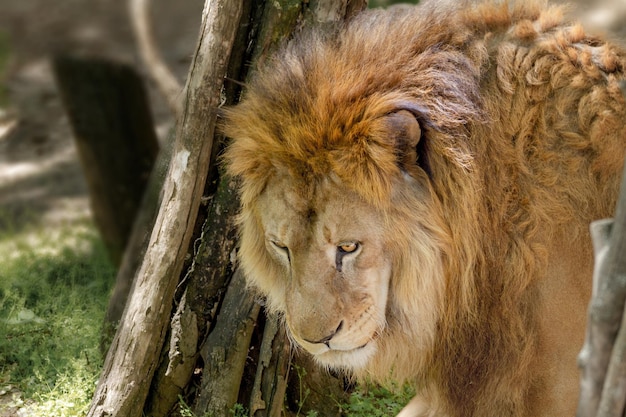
328,347
340,345
362,346
350,350
353,344
347,359
338,348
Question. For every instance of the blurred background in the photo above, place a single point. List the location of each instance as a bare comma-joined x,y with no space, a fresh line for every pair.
50,253
39,171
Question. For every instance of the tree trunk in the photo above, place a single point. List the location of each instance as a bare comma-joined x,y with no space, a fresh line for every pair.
272,372
110,116
221,349
225,351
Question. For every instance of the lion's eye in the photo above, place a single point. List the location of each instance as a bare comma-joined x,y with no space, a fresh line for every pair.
343,250
282,248
348,247
279,245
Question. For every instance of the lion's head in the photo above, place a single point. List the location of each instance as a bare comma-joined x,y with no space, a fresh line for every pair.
329,253
340,227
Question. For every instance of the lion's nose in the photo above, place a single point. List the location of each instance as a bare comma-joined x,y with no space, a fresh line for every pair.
326,340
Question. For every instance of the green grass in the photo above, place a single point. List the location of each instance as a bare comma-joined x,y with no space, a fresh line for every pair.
53,293
370,400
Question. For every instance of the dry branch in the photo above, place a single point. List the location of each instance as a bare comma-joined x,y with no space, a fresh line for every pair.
226,350
134,354
175,373
270,383
603,383
164,78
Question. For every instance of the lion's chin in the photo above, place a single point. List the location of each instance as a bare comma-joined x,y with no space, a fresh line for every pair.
347,360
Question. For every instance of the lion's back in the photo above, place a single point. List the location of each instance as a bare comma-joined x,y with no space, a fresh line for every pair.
557,109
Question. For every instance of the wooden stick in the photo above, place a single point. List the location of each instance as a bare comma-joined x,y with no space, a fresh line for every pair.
134,354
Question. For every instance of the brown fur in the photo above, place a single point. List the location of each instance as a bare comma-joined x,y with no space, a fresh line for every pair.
522,145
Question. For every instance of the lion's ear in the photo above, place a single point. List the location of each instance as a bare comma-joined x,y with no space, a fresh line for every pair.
404,127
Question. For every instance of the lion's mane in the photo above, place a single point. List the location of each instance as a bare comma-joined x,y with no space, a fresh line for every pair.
522,144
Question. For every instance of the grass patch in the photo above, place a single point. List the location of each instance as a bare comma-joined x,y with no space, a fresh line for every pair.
53,295
370,400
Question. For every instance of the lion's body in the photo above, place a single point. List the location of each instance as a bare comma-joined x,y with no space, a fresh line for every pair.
454,254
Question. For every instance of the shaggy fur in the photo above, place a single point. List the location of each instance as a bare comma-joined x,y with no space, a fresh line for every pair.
485,220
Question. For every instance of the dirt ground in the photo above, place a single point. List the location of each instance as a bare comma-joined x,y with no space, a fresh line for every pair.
41,182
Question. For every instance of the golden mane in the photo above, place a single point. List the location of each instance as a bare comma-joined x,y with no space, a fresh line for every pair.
522,144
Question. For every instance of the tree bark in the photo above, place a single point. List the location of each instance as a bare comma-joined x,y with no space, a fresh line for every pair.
272,373
226,350
180,363
132,358
603,357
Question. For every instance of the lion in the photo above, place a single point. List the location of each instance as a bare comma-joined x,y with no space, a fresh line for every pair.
416,189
